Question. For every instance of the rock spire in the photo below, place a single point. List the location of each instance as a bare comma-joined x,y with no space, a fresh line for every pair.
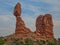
20,25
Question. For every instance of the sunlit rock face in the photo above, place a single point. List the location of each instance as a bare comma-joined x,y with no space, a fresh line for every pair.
20,25
48,26
17,10
44,26
40,27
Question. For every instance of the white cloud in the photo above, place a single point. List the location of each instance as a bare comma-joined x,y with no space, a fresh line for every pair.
56,22
48,1
10,2
56,30
6,31
35,9
30,22
7,24
35,0
56,8
52,2
4,18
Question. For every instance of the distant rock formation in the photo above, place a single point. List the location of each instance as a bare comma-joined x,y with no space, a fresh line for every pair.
20,25
44,26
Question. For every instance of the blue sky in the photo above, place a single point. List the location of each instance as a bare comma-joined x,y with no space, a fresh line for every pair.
31,9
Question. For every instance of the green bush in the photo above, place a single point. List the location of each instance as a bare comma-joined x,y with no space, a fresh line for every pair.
18,41
1,41
41,42
59,41
29,41
51,42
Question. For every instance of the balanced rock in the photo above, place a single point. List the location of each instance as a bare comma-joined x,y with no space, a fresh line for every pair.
20,25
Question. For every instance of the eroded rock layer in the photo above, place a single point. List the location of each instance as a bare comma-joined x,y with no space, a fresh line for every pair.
44,26
20,25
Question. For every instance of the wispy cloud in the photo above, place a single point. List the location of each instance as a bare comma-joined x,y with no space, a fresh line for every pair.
6,31
53,2
48,1
56,22
7,25
30,22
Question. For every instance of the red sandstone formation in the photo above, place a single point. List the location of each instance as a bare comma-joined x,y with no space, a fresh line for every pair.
48,26
20,25
40,27
44,26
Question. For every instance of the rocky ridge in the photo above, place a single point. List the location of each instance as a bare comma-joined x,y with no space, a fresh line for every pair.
44,26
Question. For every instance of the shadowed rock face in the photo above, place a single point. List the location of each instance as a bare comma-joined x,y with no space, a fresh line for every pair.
44,26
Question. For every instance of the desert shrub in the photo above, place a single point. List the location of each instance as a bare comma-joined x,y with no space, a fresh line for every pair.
51,42
2,41
29,41
41,42
17,41
59,41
